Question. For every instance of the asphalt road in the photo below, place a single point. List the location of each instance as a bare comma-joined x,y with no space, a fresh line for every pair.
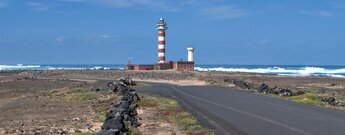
238,112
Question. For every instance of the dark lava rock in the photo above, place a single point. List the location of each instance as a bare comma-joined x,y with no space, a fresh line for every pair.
285,92
122,115
110,132
263,88
299,93
114,121
330,100
242,84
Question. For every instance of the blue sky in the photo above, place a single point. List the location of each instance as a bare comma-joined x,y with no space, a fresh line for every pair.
274,32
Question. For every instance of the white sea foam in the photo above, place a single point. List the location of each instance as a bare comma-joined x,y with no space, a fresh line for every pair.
99,68
338,76
256,70
317,70
18,67
303,71
57,67
64,68
75,68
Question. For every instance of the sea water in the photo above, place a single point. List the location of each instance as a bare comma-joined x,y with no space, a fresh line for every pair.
61,67
290,70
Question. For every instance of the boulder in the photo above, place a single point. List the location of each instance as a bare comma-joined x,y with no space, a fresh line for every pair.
113,122
110,132
299,93
285,92
263,88
330,100
242,84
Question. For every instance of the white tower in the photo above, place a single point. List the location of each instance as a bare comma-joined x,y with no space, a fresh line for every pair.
161,27
190,54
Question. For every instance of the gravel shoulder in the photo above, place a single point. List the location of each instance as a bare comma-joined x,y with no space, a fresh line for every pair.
49,106
39,105
315,87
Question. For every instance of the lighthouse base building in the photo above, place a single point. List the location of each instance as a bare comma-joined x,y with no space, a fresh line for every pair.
173,65
162,64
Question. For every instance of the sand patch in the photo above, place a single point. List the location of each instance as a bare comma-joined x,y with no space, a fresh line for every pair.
325,85
84,80
152,124
176,82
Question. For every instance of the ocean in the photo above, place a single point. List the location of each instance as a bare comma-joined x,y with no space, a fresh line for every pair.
287,70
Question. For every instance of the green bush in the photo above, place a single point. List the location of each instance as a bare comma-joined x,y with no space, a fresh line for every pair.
172,111
168,104
308,98
147,102
187,121
101,116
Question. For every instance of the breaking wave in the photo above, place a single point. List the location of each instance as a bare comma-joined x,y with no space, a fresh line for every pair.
295,71
18,67
331,71
60,67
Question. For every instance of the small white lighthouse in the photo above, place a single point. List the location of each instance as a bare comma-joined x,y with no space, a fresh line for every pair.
190,54
161,27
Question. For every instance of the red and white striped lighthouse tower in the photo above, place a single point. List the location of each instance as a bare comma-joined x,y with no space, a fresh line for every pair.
161,27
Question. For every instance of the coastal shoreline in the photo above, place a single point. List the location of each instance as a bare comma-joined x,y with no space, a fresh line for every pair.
323,86
34,87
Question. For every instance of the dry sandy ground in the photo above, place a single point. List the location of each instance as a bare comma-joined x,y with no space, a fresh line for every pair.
153,125
321,85
39,106
175,82
28,107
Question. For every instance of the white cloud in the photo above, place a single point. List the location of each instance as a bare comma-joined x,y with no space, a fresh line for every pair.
105,36
264,41
38,6
225,12
104,39
60,40
118,3
210,8
73,0
160,5
320,13
3,4
338,3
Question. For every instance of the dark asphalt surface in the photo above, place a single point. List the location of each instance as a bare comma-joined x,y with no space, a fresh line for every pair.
238,112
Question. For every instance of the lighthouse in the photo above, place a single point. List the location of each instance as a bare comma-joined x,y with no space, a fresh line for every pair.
164,64
161,27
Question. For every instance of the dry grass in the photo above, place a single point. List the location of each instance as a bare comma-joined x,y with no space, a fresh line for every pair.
308,98
172,112
86,133
143,85
81,96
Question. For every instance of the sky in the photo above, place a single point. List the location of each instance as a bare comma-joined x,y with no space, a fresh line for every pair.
246,32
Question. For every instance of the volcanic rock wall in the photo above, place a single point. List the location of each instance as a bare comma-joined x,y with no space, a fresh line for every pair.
123,115
264,88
